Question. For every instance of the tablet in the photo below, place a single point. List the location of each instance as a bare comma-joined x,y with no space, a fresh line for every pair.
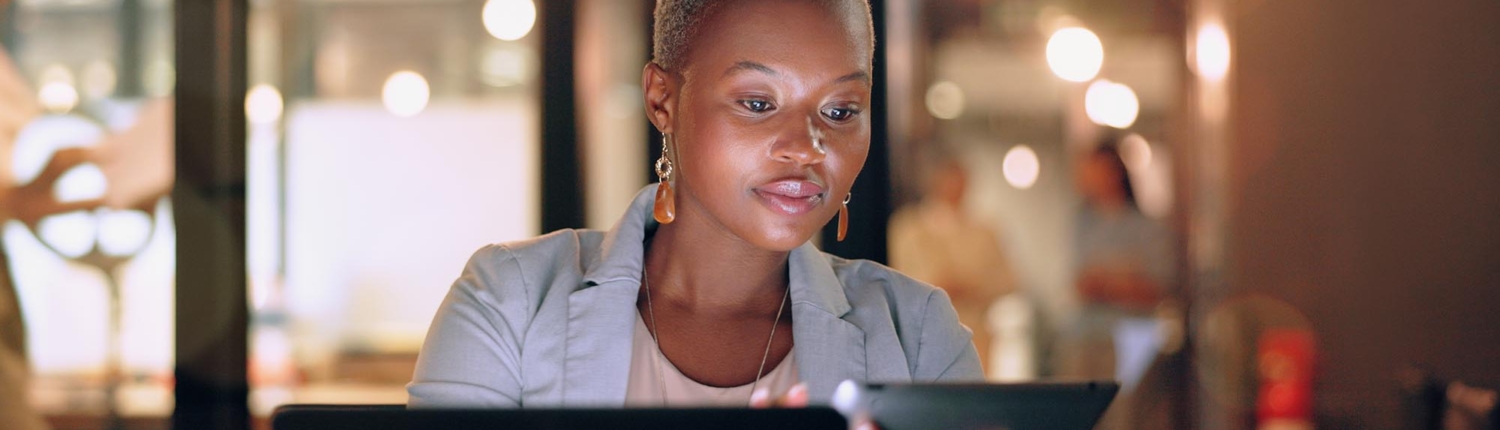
1046,406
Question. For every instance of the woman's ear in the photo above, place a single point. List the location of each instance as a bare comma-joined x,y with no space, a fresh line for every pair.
661,96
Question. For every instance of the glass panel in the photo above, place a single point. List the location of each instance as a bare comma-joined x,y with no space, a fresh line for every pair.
387,142
611,49
1000,111
85,145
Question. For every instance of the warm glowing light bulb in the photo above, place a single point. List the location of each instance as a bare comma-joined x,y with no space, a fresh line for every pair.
1111,104
945,100
1136,152
1021,167
1075,54
263,104
58,97
57,93
509,19
1212,52
405,93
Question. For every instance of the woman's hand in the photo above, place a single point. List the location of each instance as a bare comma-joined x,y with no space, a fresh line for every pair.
796,397
137,161
36,200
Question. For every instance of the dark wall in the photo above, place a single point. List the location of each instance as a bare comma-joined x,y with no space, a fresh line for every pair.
1366,186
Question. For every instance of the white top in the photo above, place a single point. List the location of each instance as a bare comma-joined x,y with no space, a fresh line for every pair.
645,390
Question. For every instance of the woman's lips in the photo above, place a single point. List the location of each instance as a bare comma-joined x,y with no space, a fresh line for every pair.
792,196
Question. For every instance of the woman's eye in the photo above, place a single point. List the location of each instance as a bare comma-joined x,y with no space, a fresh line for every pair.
756,106
840,114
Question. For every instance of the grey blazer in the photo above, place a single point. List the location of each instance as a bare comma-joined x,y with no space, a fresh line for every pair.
548,322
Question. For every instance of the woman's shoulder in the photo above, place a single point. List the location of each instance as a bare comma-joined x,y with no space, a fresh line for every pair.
534,263
877,291
865,277
551,246
920,316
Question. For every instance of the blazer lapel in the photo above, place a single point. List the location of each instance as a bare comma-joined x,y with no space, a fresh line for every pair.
601,313
596,367
829,349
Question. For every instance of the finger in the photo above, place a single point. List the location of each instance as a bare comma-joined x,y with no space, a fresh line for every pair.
795,397
80,205
760,398
31,213
62,161
75,155
863,424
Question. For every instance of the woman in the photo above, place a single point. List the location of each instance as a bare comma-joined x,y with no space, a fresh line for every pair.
935,240
707,292
1124,263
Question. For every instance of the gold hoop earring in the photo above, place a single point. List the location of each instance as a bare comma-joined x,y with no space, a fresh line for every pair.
665,209
844,217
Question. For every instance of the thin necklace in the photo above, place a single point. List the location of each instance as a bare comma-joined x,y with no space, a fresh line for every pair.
661,384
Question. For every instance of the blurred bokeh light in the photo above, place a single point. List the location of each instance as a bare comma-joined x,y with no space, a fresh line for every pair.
945,100
1212,52
405,93
1021,167
1136,152
263,104
1112,104
1075,54
509,19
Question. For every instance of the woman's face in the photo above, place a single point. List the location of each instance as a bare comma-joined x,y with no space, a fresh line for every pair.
760,81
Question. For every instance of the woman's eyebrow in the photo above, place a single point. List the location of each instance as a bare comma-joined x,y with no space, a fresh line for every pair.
743,66
861,76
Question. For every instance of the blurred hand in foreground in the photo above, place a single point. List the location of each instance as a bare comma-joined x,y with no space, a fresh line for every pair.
35,200
796,397
138,161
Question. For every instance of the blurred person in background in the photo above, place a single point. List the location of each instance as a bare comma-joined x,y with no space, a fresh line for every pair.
936,241
136,162
1123,270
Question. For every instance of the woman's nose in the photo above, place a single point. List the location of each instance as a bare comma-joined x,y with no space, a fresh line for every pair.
801,145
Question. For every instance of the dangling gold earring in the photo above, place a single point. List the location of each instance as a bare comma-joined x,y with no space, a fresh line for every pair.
844,217
665,210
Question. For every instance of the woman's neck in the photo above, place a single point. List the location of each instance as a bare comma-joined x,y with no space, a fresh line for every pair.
696,264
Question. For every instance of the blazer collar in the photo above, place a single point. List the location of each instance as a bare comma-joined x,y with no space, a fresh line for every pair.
829,349
622,255
602,309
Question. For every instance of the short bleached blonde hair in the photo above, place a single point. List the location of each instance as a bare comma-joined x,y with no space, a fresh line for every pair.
677,23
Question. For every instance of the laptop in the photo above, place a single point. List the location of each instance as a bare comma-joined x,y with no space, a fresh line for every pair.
1041,406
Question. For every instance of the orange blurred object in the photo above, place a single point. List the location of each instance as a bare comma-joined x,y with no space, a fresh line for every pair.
1285,361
